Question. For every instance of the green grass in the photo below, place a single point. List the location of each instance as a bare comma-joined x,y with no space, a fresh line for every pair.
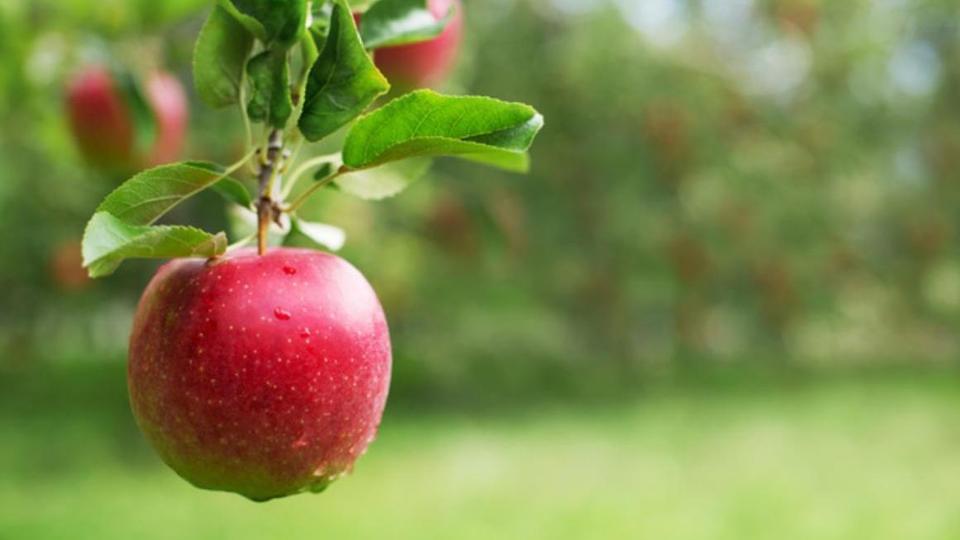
843,459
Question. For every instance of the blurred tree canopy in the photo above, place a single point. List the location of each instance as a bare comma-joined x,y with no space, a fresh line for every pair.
720,181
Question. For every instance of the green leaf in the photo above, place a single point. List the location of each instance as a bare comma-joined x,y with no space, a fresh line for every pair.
399,22
343,82
219,58
230,189
310,46
385,181
233,191
144,120
359,5
270,99
328,236
277,23
324,171
321,20
251,24
424,123
108,241
149,195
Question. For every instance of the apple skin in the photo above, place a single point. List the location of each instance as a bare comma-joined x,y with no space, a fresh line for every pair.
103,128
261,375
426,63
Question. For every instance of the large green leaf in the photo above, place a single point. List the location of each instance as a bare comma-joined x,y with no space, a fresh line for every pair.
219,58
343,82
108,241
270,99
424,123
149,195
277,23
399,22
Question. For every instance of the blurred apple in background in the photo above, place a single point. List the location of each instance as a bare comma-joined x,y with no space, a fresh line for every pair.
66,267
426,63
124,123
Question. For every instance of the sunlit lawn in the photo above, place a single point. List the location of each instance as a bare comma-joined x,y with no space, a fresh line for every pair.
841,459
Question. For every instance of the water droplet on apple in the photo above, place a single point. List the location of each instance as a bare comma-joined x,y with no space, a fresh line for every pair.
289,270
281,314
305,333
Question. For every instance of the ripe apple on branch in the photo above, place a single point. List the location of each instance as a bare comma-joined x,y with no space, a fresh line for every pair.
264,370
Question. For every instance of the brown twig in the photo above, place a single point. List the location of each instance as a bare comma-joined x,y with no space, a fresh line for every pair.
266,207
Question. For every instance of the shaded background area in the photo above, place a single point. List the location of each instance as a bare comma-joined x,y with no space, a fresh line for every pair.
728,289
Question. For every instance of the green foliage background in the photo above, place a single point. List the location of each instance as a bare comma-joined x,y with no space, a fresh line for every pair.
755,199
751,183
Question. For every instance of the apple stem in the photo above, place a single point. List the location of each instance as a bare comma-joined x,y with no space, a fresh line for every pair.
266,207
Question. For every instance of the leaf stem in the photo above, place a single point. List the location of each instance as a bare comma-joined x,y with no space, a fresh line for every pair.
295,205
239,164
242,102
293,178
297,147
240,243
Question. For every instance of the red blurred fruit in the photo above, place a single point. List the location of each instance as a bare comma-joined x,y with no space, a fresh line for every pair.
66,267
103,125
262,375
426,63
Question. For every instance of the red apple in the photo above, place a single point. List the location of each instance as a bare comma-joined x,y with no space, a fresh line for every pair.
103,126
425,63
262,375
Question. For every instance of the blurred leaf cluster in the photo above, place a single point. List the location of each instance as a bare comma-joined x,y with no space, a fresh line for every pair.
720,182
